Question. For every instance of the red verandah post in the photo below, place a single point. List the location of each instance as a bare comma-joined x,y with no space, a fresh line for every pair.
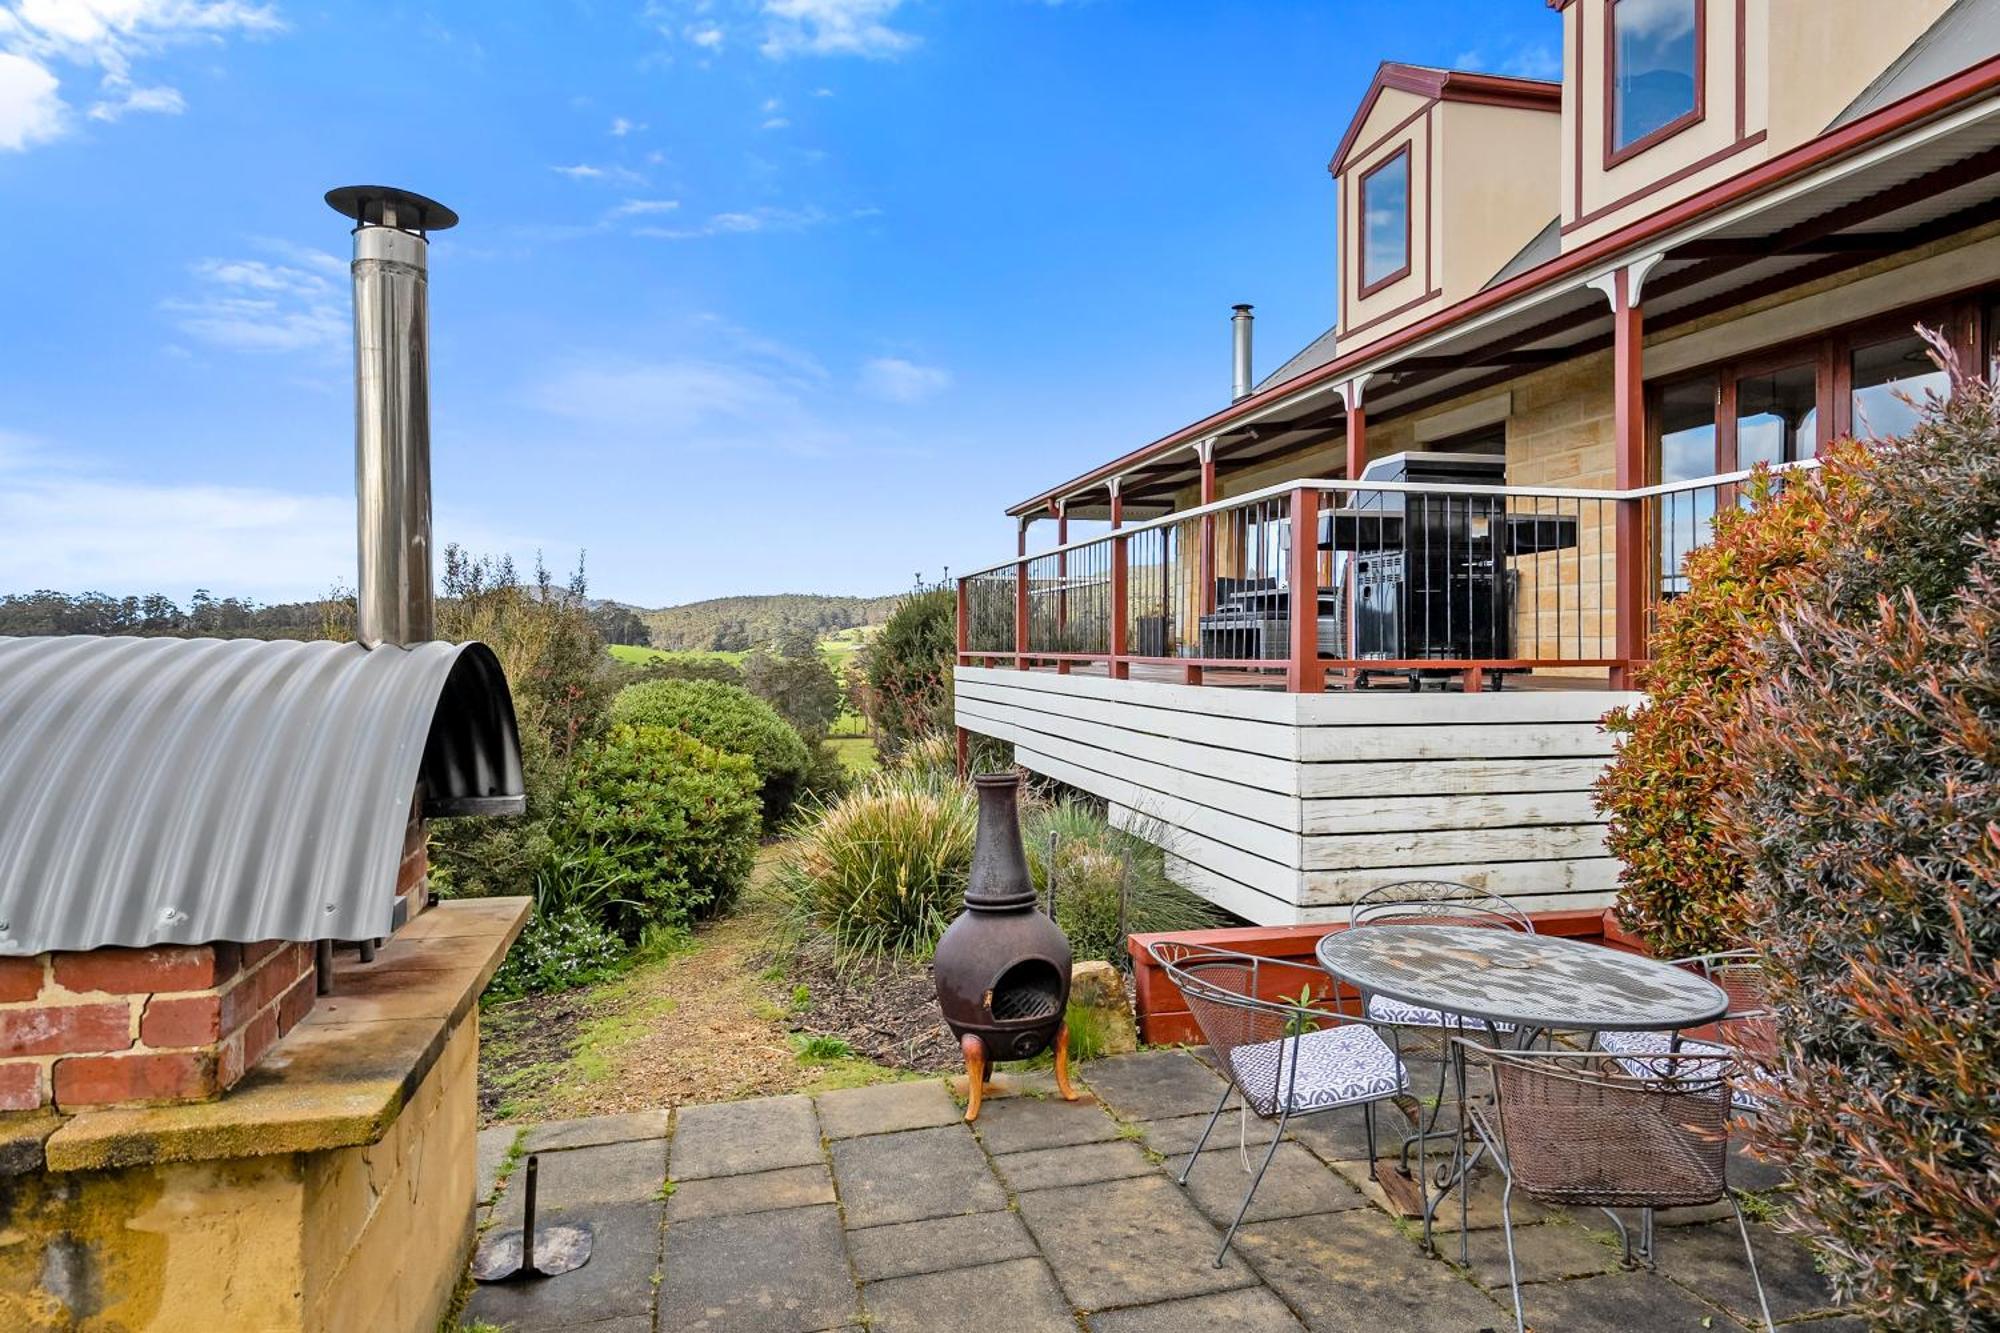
1628,410
962,740
1304,675
1205,591
1021,601
1119,668
1062,585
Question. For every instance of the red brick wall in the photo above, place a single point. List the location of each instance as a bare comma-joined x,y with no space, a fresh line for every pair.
413,872
173,1023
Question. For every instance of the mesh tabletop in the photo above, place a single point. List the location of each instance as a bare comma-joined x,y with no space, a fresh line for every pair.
1533,981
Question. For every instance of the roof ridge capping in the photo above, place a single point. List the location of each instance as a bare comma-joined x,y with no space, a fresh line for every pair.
1436,84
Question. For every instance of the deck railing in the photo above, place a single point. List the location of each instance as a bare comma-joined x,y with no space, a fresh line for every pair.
1409,582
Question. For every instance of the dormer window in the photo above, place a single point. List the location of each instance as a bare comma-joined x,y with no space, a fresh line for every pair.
1385,221
1654,48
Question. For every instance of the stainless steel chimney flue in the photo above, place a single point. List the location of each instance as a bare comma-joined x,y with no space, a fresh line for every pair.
395,601
1239,325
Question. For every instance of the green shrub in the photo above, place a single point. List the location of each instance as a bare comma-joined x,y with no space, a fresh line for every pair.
1869,768
559,952
1097,864
801,685
727,718
1681,887
882,870
668,822
906,670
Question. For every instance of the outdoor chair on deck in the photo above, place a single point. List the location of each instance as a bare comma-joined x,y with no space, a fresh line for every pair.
1284,1057
1429,902
1746,1030
1572,1128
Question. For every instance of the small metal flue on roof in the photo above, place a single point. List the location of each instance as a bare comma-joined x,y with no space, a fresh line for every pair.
1239,328
394,598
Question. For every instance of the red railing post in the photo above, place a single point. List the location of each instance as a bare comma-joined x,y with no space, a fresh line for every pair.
1205,593
1062,585
1628,399
964,631
1021,616
1304,675
1119,668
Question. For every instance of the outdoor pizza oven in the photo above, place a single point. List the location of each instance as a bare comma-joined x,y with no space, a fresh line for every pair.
1003,968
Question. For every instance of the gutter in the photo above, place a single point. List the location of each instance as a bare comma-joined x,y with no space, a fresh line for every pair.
1920,106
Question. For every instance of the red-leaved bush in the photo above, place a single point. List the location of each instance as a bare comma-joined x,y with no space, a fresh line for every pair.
1681,886
1864,775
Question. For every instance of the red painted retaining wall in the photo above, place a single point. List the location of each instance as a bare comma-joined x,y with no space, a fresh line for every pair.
1163,1015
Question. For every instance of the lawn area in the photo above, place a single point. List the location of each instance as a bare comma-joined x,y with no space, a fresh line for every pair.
637,656
857,753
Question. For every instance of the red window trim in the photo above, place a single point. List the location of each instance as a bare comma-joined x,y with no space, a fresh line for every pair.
1364,288
1613,154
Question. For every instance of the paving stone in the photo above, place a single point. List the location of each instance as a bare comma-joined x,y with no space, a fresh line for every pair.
886,1108
1080,1164
1542,1253
1750,1173
733,1138
1342,1136
1021,1123
493,1146
1482,1205
967,1300
589,1177
1709,1261
591,1131
716,1196
921,1173
781,1272
1154,1085
1251,1310
1616,1300
616,1283
1177,1136
1297,1183
1356,1271
1122,1242
937,1243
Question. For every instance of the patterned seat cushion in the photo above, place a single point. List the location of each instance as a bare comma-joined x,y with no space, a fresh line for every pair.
1382,1009
1337,1066
1652,1055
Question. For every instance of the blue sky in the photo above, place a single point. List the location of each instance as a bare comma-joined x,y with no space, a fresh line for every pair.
749,296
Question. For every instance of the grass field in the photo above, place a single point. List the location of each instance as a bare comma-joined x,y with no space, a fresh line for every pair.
626,652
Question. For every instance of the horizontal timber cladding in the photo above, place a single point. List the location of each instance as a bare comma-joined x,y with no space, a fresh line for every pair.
1283,807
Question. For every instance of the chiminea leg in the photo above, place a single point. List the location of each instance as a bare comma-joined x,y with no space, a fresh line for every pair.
975,1073
1062,1063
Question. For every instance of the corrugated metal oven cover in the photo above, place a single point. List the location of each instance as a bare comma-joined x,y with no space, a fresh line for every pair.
185,790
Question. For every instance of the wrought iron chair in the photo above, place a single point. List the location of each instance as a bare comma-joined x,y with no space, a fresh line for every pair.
1747,1029
1429,902
1574,1128
1284,1058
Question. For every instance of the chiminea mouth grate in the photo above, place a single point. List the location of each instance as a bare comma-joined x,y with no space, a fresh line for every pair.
1027,991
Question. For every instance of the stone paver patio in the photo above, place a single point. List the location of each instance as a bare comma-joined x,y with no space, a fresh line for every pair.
880,1208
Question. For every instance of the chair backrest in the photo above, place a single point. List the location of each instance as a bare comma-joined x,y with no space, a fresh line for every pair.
1224,994
1749,1024
1436,902
1579,1129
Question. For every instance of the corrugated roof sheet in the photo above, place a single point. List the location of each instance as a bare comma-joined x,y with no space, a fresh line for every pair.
159,791
1964,35
1314,354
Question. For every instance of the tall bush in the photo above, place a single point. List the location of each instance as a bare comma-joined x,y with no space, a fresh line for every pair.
666,825
1109,882
1869,773
1681,886
728,718
906,670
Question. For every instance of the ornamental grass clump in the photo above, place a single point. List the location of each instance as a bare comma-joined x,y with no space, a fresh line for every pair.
1109,882
1867,774
882,869
1681,886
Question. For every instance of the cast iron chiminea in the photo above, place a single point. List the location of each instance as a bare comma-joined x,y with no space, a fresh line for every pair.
1002,968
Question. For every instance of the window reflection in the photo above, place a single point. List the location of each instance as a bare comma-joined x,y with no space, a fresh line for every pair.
1653,66
1890,381
1687,451
1385,220
1777,416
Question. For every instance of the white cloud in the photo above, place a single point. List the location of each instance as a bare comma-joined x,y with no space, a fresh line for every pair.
31,108
110,37
742,223
159,101
833,27
255,306
1526,60
644,207
77,526
621,126
896,380
589,171
704,35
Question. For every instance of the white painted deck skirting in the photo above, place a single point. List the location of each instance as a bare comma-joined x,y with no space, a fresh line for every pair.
1283,807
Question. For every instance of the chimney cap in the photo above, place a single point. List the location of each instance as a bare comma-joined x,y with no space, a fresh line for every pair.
1243,306
413,212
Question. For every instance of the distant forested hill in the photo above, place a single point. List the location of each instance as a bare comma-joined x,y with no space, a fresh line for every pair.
731,624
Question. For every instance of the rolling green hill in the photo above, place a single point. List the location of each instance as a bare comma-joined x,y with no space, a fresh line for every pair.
736,624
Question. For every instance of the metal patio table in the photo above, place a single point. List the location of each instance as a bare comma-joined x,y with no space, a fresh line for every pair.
1504,979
